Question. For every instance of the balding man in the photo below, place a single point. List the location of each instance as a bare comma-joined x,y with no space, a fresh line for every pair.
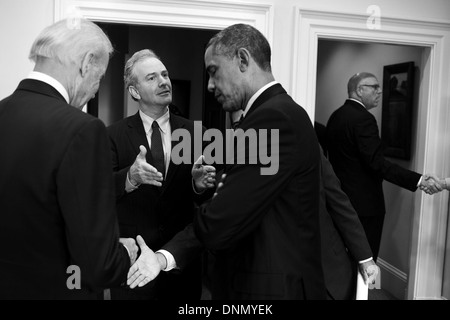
356,153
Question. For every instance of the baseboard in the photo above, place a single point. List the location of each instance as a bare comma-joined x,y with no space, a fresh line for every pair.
393,279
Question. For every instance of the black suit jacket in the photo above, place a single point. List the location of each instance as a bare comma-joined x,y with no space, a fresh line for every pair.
161,215
57,199
343,239
356,153
264,229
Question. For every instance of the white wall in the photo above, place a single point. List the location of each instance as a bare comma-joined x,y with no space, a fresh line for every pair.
20,23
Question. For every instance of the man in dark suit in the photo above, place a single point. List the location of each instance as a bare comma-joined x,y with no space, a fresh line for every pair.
155,198
356,153
344,242
59,237
263,228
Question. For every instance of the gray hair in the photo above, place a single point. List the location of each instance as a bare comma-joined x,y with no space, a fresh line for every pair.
67,41
228,41
128,76
355,81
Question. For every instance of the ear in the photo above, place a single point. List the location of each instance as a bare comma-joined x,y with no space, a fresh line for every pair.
243,56
86,63
358,91
134,93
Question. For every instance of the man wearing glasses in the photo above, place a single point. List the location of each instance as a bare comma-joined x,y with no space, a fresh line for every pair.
356,153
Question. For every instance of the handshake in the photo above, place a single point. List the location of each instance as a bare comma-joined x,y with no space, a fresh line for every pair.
145,268
432,184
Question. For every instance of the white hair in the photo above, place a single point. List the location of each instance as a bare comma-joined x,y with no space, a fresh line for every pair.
67,42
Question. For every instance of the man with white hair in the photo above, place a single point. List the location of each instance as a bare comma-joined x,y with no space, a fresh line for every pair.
59,236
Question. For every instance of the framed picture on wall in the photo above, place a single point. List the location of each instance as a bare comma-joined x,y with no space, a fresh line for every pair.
398,86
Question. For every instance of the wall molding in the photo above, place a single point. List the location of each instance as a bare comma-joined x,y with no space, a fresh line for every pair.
204,14
400,275
429,220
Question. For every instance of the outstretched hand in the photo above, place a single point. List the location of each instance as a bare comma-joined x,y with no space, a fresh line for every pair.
146,268
141,172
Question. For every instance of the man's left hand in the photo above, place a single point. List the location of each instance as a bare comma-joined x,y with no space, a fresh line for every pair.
204,175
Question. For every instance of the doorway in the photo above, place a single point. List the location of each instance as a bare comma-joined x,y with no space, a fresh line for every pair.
337,61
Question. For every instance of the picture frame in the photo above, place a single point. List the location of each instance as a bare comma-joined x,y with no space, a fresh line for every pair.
397,103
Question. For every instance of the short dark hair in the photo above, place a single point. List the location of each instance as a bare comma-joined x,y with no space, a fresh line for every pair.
228,41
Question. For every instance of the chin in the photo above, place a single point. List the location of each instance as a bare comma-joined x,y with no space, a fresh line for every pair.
229,107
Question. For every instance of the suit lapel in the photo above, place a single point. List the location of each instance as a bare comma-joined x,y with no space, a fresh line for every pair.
137,135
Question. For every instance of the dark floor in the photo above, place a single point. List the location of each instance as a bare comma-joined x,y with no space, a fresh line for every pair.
374,294
380,294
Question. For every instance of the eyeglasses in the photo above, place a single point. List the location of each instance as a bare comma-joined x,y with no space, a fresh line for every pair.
375,87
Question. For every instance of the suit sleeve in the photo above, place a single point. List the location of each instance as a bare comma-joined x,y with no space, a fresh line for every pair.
246,196
184,246
343,214
371,152
85,189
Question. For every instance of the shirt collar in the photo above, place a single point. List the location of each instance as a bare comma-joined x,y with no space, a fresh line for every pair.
35,75
236,115
163,121
358,102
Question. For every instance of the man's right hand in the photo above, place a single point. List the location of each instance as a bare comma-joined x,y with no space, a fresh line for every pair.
143,173
146,268
369,271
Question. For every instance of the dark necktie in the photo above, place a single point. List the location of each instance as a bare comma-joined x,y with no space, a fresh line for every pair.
157,149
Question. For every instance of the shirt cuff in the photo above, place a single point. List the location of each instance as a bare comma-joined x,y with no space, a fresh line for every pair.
366,260
447,183
129,187
171,264
420,181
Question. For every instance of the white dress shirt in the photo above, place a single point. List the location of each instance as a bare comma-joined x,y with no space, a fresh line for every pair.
236,115
35,75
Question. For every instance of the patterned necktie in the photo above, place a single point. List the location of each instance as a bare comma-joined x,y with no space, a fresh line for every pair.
157,149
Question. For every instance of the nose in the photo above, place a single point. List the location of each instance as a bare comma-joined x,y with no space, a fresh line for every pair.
163,81
211,86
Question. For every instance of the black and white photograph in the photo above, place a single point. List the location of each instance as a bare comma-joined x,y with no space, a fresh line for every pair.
213,156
